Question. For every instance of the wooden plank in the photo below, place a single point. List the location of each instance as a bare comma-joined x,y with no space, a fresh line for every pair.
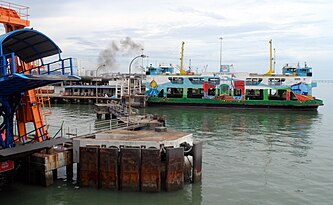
33,147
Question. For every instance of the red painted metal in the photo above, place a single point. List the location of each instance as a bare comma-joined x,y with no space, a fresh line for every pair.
207,86
240,84
6,165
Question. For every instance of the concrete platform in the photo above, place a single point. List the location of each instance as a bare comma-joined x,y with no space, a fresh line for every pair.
127,138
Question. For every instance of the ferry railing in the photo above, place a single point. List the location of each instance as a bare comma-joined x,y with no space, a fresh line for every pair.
22,11
58,67
102,126
120,109
7,64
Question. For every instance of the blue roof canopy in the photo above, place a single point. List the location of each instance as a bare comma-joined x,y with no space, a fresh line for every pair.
29,45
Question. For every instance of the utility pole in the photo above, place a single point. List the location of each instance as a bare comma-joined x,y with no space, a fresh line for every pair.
221,52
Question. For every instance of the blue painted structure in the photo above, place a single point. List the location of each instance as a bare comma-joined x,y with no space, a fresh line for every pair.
26,45
159,70
302,72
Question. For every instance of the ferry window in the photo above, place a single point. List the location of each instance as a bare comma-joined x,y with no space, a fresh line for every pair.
248,81
224,88
253,81
272,92
176,80
197,80
283,80
174,92
214,81
237,92
274,81
254,94
277,94
297,79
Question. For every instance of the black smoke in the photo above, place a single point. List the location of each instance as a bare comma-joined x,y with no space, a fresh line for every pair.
124,47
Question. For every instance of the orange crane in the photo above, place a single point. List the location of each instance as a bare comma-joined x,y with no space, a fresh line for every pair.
15,17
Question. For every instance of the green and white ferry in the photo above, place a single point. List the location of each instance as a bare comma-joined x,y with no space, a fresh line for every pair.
290,90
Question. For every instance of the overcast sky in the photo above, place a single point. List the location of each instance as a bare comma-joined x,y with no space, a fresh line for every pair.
302,30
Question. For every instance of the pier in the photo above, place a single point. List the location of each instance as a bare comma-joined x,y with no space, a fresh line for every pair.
143,157
147,160
98,89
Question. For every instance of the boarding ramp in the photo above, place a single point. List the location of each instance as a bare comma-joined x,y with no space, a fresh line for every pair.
28,60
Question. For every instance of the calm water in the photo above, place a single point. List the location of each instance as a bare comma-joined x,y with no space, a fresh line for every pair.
250,157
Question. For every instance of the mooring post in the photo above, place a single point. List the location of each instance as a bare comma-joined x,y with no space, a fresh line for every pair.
69,172
55,174
197,162
69,168
78,171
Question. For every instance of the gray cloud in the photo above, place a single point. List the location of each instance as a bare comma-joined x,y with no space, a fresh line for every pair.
208,14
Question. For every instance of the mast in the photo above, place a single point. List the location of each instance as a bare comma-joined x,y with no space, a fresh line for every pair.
182,72
270,58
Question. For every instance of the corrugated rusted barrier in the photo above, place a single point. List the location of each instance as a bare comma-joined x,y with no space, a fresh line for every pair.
89,167
108,168
150,170
197,162
135,169
175,169
130,160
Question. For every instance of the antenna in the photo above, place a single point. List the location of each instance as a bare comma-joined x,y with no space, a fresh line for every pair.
274,58
270,59
189,64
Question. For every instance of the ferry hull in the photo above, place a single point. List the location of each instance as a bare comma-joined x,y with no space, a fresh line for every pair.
211,103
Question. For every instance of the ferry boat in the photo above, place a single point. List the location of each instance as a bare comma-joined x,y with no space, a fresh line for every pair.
290,90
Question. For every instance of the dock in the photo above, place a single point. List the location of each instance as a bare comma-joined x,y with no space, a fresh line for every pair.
152,160
136,154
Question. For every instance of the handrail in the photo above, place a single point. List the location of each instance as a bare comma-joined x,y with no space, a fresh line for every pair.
61,66
106,125
22,11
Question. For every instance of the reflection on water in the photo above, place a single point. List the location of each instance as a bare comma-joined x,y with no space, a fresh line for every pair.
274,129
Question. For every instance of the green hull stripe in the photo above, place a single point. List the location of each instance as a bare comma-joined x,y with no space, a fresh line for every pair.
198,101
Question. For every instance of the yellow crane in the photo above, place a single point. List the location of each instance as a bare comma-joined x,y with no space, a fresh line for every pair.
182,71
